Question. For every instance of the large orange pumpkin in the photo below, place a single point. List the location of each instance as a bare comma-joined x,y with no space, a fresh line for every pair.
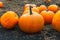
53,8
56,21
9,20
48,16
42,8
1,5
31,22
27,5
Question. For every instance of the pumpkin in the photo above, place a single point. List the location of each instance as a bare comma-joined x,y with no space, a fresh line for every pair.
34,9
9,20
1,5
27,5
31,22
56,21
42,8
47,1
53,8
48,16
0,20
27,11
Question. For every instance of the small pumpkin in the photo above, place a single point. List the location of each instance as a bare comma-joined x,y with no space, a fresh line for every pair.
31,22
48,16
56,21
47,1
9,20
34,9
1,4
53,8
26,11
27,5
42,8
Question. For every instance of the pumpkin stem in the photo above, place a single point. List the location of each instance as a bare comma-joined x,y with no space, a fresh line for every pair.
30,10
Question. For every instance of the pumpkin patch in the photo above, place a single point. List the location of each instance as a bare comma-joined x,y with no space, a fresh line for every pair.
29,19
33,18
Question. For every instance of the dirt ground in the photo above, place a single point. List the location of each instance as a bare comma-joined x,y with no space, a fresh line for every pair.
48,33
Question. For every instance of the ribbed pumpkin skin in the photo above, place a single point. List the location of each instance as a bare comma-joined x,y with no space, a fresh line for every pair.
31,23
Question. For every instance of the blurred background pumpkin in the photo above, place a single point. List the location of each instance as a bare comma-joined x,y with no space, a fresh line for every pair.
27,5
42,8
48,16
1,4
53,8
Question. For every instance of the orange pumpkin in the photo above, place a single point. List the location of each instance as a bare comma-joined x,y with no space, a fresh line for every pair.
34,9
0,20
9,20
26,11
47,1
31,22
53,8
48,16
42,8
27,5
1,5
56,21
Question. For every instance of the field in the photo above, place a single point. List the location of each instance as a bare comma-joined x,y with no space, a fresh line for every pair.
48,33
